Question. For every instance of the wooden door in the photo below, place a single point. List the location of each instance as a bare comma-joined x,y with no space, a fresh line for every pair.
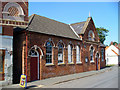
97,63
34,68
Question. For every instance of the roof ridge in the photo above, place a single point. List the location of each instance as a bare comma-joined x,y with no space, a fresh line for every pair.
31,18
86,24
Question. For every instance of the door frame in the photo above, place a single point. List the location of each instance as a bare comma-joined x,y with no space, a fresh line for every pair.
38,63
97,57
97,63
3,64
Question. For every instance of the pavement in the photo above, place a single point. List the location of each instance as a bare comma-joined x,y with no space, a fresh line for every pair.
60,79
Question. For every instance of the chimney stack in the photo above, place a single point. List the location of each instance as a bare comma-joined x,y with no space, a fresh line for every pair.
116,44
111,43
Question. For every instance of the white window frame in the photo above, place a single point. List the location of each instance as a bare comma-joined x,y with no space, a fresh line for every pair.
91,54
60,53
78,60
50,61
70,52
89,37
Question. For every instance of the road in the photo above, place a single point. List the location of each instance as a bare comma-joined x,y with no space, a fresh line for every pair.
108,79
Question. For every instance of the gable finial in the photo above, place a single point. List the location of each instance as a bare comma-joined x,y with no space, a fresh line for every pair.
89,13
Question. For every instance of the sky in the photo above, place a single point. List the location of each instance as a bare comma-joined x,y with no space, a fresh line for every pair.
104,14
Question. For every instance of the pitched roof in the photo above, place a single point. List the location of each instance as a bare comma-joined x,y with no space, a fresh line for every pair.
81,26
48,26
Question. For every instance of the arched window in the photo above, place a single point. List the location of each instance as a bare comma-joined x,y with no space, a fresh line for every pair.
48,52
13,11
102,54
60,53
77,53
70,53
33,52
91,36
91,54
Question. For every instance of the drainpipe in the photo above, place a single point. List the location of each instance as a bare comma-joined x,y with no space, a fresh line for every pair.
26,50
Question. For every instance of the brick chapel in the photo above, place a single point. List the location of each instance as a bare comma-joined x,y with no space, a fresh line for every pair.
47,48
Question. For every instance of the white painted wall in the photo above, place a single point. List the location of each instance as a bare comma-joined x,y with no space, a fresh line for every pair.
111,57
6,43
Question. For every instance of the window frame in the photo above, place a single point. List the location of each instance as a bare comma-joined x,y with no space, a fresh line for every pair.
50,55
89,37
70,54
92,54
78,55
1,29
61,53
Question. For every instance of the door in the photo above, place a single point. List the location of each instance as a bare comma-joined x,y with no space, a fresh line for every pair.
97,63
34,68
86,64
2,57
97,58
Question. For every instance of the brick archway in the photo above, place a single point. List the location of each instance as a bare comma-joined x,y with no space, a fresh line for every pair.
35,62
97,59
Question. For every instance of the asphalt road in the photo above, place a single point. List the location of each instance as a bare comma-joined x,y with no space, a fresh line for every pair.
108,79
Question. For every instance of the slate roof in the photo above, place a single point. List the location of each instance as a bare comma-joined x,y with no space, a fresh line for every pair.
48,26
81,26
78,26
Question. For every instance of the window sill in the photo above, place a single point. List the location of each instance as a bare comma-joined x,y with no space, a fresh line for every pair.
61,63
70,63
92,62
78,62
50,64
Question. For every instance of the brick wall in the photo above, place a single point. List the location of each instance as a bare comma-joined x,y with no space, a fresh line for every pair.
18,44
57,70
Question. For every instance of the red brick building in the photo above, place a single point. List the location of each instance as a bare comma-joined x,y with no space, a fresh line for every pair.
43,47
48,48
12,14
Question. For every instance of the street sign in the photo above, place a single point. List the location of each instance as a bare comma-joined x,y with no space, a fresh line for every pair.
23,82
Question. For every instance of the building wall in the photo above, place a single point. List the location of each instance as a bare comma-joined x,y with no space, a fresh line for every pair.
18,44
47,71
6,45
112,60
8,22
111,57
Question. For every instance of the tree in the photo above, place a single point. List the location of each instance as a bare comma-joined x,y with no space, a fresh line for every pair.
115,43
102,33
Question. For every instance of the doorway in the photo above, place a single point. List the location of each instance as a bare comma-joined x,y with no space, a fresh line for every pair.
97,60
34,65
